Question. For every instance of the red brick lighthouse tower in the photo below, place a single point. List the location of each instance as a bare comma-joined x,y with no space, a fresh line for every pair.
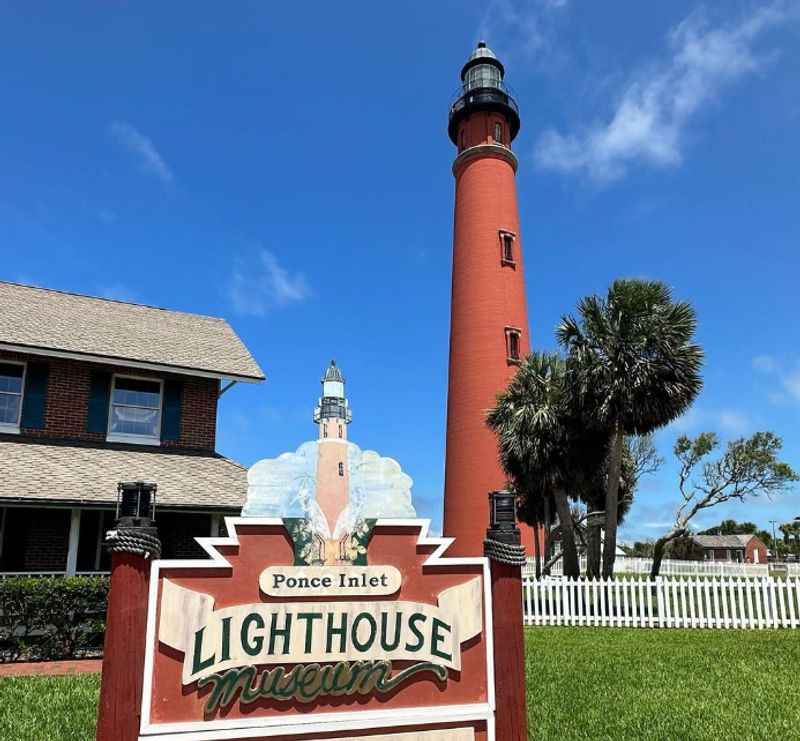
489,321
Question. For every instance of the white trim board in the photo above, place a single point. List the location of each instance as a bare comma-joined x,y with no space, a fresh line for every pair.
326,722
125,362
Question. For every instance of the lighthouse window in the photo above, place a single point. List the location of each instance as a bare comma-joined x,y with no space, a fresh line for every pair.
512,344
507,248
340,430
341,469
498,132
324,430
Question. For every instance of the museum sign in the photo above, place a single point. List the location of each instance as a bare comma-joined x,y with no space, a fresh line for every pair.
390,639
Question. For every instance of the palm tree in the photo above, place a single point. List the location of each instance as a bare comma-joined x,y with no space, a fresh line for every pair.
639,458
534,508
532,421
634,368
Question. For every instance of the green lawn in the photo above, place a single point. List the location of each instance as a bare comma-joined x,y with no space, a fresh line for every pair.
583,683
628,684
48,708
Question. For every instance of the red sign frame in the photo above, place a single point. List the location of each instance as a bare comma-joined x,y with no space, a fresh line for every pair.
172,711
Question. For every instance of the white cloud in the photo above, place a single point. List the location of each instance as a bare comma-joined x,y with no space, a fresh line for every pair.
733,422
688,421
143,148
765,363
521,27
792,384
286,486
789,380
261,283
651,114
696,419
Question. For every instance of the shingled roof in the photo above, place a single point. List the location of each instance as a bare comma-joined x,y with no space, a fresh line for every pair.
40,319
38,471
722,541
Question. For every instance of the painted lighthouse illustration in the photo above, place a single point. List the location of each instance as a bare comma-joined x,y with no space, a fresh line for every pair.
329,487
488,320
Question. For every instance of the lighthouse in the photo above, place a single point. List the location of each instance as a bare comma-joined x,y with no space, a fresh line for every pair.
332,414
488,316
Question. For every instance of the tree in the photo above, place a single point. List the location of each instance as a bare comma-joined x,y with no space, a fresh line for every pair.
684,548
537,440
639,458
766,538
641,549
791,536
748,468
731,527
634,368
536,509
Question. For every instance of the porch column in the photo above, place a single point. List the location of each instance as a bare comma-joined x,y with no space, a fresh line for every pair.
74,537
215,523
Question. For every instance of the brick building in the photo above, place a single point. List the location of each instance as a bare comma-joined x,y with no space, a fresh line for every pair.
93,392
736,548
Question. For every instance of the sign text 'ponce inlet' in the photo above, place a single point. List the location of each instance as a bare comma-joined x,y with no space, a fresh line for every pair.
329,581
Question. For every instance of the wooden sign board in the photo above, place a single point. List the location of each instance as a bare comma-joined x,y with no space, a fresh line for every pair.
392,642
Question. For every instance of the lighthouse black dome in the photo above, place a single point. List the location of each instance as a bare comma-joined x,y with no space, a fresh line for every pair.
483,89
333,373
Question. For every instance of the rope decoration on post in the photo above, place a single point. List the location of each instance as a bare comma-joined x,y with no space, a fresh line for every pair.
134,540
514,555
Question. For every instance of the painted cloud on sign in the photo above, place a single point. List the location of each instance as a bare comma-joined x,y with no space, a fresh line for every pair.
286,486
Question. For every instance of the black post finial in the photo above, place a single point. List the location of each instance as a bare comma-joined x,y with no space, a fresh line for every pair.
136,504
503,518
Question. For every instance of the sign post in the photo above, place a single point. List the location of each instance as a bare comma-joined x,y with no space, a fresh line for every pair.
132,543
507,556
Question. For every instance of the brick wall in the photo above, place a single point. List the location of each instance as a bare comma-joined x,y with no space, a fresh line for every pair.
755,545
35,539
67,402
178,532
48,540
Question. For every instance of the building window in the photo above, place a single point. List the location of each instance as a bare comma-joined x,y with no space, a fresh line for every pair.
498,132
507,248
513,344
12,381
341,431
135,410
341,469
324,429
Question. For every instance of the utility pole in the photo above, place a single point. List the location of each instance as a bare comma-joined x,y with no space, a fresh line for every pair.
774,540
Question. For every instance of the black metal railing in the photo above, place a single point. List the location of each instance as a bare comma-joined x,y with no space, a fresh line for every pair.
478,91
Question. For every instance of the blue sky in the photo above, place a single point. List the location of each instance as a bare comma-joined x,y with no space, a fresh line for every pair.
287,167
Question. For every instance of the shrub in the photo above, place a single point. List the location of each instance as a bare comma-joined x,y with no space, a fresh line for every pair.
51,618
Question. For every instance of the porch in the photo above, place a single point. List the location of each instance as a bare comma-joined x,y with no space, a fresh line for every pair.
67,541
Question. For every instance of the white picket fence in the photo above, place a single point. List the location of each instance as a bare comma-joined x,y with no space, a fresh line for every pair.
674,567
728,602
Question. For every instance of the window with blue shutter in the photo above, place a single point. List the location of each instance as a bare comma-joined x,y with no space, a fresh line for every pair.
35,396
99,395
12,381
171,410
